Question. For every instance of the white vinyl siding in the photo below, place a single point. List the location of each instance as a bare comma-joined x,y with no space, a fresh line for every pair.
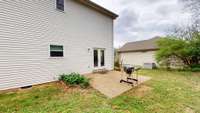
138,58
28,27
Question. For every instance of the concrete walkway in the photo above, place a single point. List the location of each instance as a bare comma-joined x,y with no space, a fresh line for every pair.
109,83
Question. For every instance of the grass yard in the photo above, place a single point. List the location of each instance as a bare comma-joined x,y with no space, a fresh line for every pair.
167,92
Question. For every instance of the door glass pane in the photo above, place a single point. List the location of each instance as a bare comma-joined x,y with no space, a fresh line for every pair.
102,58
95,58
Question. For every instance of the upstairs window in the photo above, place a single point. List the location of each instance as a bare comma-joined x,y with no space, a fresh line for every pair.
56,51
60,4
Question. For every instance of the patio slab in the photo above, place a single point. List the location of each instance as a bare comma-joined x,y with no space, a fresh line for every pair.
109,83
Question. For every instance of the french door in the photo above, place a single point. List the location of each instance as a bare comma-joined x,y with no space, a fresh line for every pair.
99,58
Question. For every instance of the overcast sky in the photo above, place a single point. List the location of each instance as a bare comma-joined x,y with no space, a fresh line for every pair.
144,19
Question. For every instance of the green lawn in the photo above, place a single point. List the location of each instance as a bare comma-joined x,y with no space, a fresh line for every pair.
167,92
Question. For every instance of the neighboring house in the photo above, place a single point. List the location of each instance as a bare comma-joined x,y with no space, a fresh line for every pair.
40,39
139,53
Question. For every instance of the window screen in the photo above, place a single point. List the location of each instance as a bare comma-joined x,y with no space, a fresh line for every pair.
56,51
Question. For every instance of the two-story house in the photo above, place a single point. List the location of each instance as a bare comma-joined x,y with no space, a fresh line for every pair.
40,39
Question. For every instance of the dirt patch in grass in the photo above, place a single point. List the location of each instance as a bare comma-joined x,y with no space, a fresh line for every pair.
196,74
140,91
66,89
189,110
57,85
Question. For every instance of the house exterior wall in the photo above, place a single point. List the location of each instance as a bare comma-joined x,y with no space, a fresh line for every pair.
138,58
27,28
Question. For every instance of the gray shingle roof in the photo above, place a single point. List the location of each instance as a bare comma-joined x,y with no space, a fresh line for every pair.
145,45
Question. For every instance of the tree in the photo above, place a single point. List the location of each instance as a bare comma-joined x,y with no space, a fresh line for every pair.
193,27
171,47
194,7
184,43
194,49
187,51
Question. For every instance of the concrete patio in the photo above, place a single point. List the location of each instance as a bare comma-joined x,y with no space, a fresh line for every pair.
109,83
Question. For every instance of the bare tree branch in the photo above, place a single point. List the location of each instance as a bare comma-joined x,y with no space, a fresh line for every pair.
194,7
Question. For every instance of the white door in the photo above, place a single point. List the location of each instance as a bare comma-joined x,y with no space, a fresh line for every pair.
99,58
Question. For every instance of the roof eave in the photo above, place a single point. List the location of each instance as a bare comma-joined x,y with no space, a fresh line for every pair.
98,8
141,50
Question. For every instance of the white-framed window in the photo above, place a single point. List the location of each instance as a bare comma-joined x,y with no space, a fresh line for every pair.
60,5
56,51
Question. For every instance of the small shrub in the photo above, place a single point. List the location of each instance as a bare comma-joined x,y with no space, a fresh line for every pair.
75,79
192,68
196,69
117,64
195,66
85,83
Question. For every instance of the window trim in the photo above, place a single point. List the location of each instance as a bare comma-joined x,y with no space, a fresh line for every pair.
58,51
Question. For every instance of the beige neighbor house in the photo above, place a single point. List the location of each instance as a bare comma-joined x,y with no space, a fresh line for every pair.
139,53
40,39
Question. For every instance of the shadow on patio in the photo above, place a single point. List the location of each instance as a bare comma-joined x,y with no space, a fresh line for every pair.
109,83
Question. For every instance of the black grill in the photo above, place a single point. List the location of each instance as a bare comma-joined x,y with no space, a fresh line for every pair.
128,69
131,78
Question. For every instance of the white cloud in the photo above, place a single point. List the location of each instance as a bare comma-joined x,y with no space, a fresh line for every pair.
143,19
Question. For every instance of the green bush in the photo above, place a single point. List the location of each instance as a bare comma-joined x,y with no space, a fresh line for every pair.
117,64
85,83
75,79
179,51
195,68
